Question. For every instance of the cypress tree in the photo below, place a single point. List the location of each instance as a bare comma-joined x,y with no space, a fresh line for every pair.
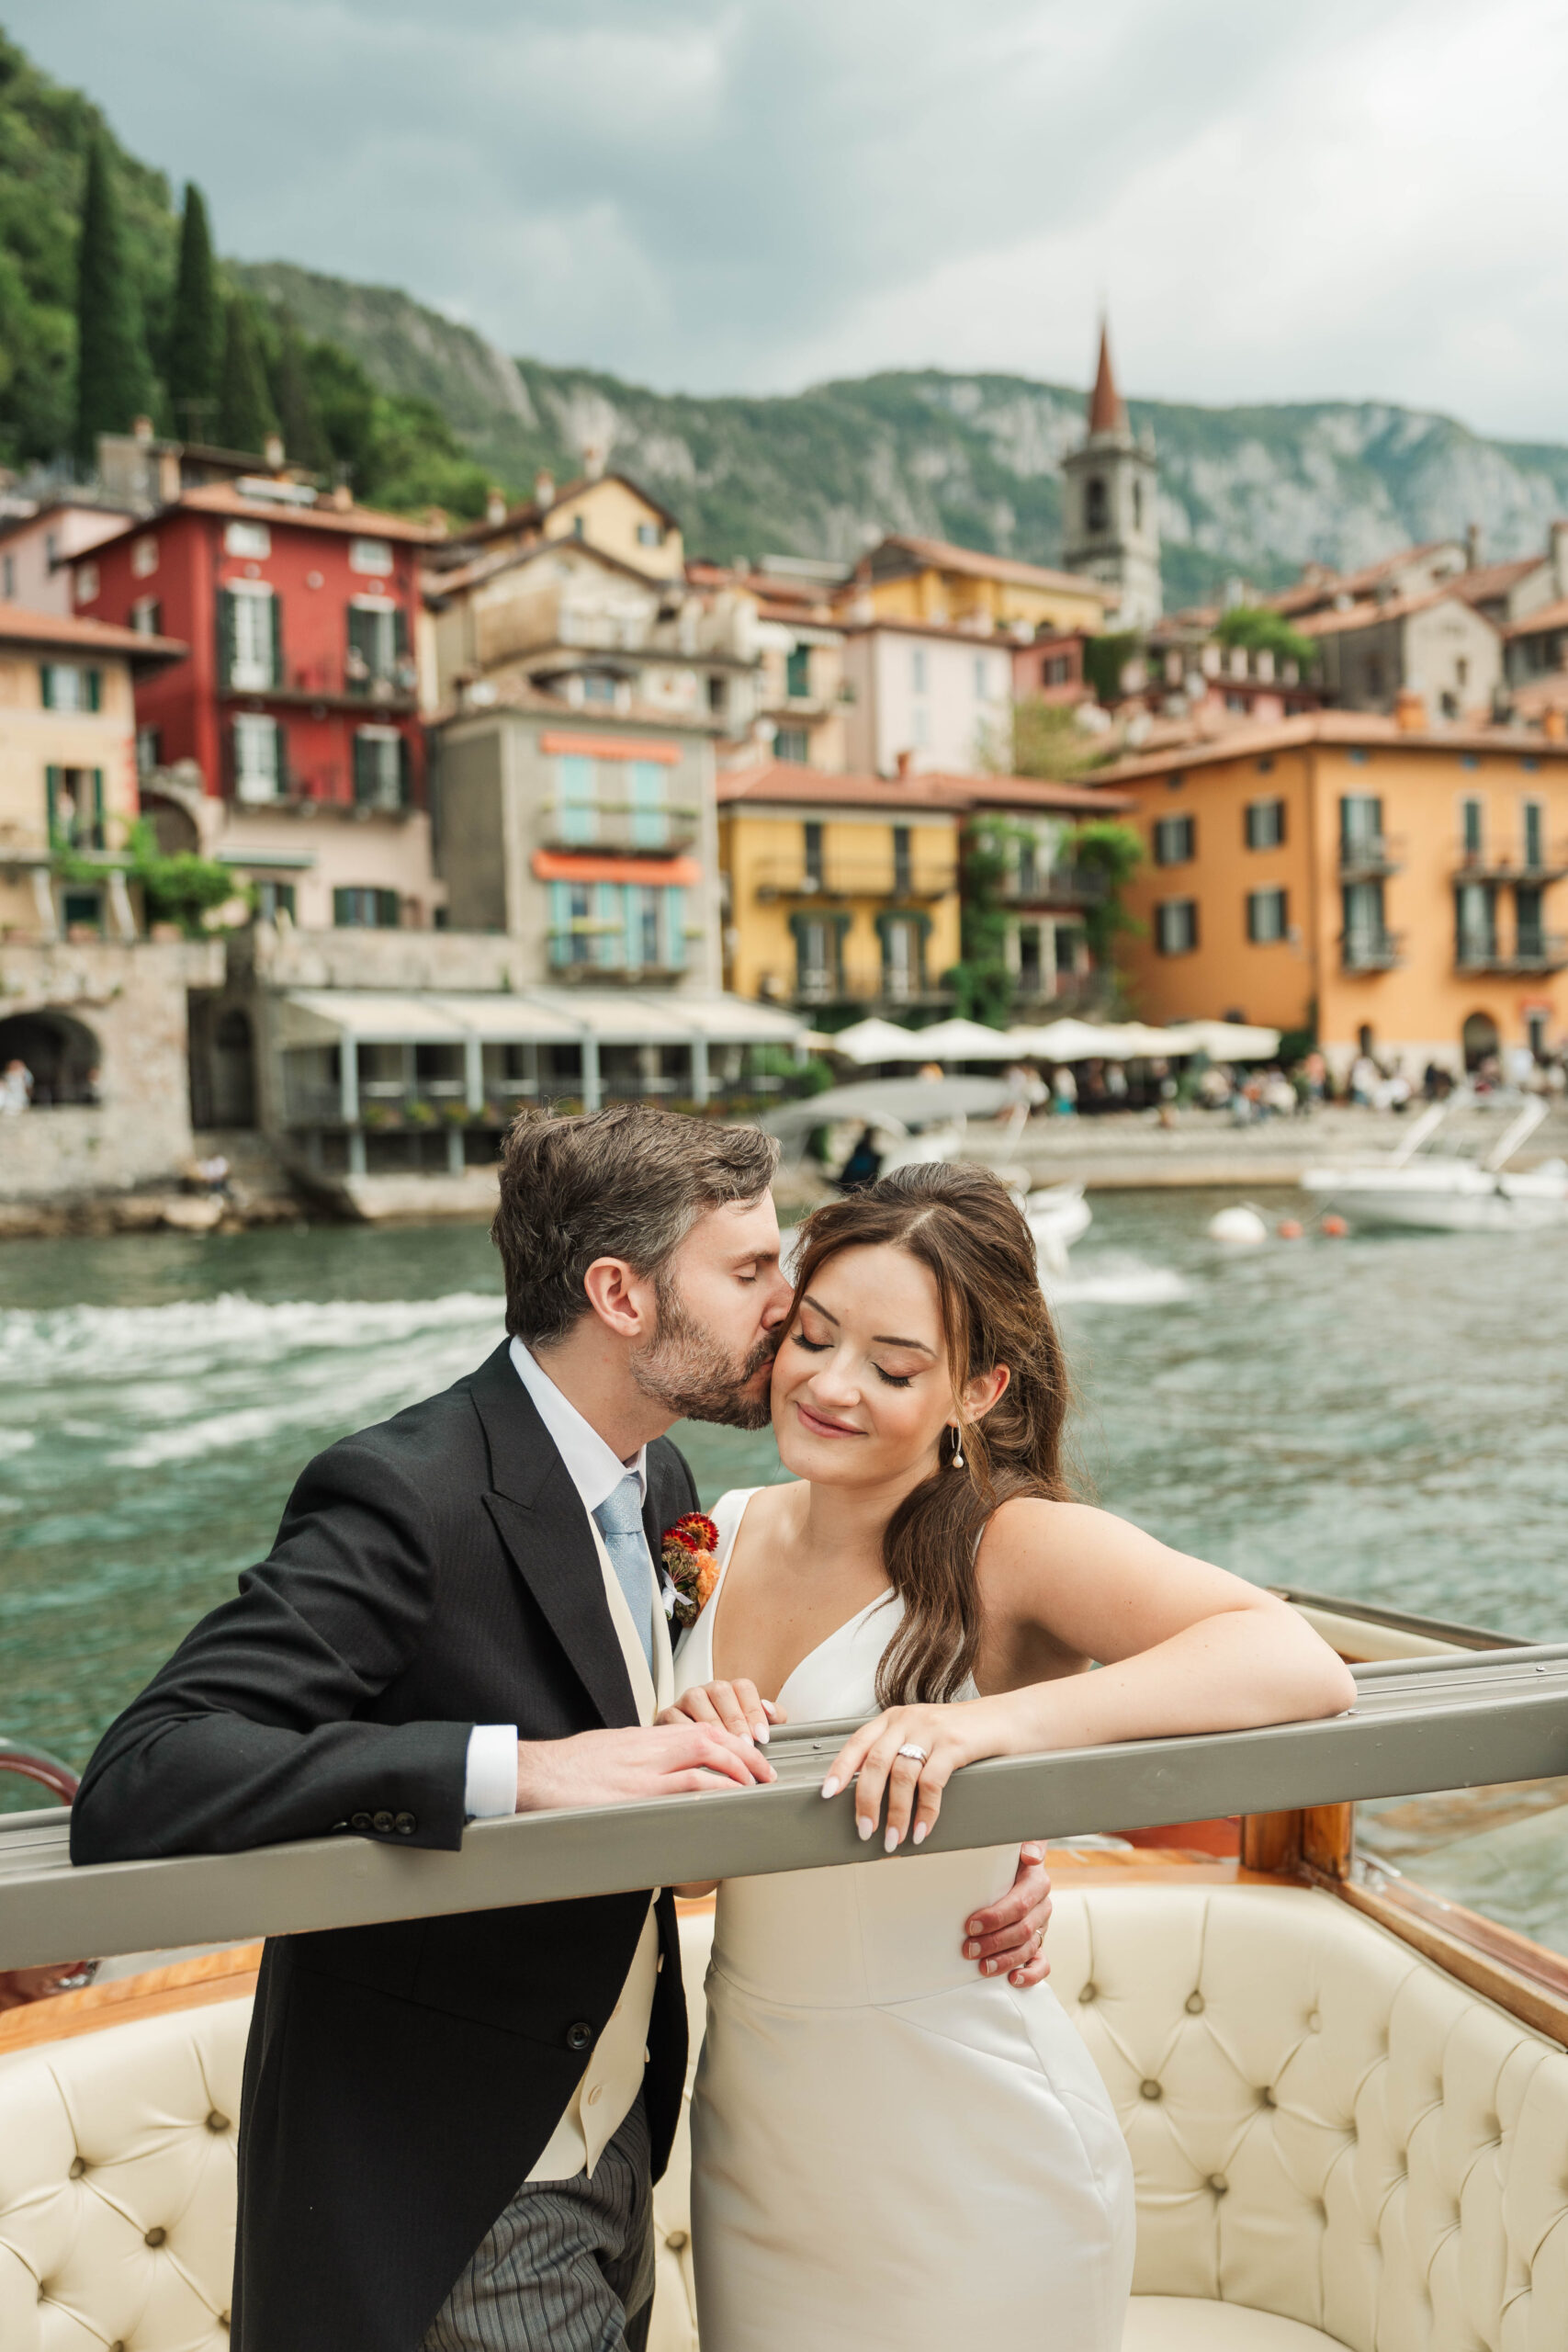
195,332
114,379
244,405
298,410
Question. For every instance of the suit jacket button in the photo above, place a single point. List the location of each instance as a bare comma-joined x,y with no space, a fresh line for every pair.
579,2036
337,1825
382,1823
405,1824
360,1821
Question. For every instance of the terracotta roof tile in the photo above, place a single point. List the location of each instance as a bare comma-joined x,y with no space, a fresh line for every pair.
942,555
20,626
1545,617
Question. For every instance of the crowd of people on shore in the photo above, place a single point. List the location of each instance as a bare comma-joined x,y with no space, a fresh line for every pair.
1275,1090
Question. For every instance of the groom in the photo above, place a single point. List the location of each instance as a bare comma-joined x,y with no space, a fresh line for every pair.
451,2126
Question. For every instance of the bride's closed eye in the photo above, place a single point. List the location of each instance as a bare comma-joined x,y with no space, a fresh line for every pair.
820,1346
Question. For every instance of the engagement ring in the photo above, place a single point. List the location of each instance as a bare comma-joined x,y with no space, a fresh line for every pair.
910,1749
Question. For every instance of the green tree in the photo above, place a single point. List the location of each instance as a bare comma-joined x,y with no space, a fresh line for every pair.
1113,852
246,414
299,415
1261,630
1047,741
195,329
982,980
1105,658
114,379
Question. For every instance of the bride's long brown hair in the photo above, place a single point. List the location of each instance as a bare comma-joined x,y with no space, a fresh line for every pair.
963,1225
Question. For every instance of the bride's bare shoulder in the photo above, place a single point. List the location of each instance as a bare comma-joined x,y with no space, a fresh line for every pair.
1029,1535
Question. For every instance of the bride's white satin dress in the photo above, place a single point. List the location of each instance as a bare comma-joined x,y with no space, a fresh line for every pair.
891,2152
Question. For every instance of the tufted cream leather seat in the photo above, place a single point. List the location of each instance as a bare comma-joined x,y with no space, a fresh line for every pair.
1334,2142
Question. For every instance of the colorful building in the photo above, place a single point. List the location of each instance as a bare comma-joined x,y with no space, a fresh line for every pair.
608,511
1385,884
295,713
1045,895
68,772
932,580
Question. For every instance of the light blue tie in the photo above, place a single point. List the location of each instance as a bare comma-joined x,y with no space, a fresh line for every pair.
620,1523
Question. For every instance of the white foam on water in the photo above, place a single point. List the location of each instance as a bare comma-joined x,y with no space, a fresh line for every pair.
193,1335
1114,1278
16,1442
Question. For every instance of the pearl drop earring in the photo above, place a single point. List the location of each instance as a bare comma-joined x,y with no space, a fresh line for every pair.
957,1448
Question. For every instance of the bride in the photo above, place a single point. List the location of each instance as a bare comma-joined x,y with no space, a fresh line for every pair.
889,2151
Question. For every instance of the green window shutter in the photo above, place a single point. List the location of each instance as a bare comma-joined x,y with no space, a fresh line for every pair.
46,685
400,634
53,778
99,840
364,769
405,773
361,648
277,603
386,910
225,637
94,689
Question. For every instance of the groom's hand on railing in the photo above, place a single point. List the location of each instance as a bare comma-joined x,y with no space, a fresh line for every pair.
738,1706
1008,1936
671,1759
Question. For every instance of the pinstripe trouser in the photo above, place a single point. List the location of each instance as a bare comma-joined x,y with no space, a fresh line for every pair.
568,2265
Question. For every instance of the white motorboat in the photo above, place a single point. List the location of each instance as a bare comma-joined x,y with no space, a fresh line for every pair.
1441,1192
1057,1215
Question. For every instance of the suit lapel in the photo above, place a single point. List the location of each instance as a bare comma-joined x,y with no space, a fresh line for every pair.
539,1517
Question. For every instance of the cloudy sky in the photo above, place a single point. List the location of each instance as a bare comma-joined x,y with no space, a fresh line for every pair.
1359,199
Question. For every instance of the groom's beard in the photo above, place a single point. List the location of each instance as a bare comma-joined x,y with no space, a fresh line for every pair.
684,1369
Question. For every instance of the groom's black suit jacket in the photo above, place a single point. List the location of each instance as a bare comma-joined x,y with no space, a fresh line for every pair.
400,2081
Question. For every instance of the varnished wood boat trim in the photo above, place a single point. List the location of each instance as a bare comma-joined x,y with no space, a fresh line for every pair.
183,1985
1522,1977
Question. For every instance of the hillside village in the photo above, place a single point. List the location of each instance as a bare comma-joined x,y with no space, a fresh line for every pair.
348,817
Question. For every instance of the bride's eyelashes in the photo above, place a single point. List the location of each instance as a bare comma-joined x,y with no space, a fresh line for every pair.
820,1346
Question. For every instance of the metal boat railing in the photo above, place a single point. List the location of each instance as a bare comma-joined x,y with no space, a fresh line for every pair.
1470,1720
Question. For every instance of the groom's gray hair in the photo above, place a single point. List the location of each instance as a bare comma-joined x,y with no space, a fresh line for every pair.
628,1181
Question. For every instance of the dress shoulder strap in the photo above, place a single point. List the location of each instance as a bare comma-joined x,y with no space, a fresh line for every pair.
727,1515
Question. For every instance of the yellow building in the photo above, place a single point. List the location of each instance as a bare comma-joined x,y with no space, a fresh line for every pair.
67,772
842,891
1395,888
606,510
905,579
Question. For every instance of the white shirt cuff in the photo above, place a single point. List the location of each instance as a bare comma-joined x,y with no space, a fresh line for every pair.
490,1785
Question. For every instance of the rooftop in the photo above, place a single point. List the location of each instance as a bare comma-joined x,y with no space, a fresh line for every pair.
1334,729
530,515
778,780
1107,409
942,555
20,626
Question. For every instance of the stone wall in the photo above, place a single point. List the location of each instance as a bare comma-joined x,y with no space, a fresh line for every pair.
132,996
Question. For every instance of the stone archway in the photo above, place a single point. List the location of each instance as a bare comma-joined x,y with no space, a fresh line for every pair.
1480,1039
62,1052
173,828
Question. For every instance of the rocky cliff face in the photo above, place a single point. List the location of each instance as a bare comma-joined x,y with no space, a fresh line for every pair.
1249,491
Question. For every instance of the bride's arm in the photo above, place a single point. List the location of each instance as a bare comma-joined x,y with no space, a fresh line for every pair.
1183,1646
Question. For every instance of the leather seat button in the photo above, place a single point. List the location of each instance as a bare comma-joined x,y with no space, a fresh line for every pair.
216,2122
78,2166
1150,2089
1088,1991
360,1821
405,1824
1218,2184
337,1828
1266,2097
1314,2023
579,2036
155,2236
675,2240
382,1824
1194,2005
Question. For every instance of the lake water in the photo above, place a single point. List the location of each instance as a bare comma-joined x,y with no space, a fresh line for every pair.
1381,1418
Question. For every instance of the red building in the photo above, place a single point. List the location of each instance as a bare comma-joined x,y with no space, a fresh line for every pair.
300,687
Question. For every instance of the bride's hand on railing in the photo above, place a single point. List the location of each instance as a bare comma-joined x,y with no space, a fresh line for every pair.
734,1706
907,1754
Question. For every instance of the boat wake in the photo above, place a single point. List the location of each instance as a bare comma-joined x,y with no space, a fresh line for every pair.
194,1335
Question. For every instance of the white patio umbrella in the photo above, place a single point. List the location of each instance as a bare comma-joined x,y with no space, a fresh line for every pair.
965,1041
879,1041
1232,1041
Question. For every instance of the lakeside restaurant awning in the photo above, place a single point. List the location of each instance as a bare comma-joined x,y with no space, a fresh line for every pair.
528,1017
368,1016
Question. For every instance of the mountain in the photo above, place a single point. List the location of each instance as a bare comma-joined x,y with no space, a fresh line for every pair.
1256,491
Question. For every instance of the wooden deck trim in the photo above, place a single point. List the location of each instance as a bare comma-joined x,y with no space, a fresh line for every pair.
183,1985
1528,1981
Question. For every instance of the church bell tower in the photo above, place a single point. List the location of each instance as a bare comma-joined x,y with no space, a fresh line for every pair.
1111,513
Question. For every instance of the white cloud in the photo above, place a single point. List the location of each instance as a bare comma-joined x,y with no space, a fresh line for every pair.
1359,199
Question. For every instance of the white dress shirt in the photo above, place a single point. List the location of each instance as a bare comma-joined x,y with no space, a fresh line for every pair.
613,2077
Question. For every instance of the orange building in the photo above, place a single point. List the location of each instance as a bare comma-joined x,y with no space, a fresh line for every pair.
1388,886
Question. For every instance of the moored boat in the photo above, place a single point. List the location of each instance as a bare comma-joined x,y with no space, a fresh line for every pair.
1443,1191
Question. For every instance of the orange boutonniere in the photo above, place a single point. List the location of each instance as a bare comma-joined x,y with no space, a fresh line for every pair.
689,1551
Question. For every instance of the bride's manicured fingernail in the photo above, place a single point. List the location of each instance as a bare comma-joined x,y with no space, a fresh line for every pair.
762,1734
830,1787
864,1827
920,1829
890,1843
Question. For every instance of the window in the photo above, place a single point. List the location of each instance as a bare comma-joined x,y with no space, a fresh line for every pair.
143,558
1028,864
598,686
1366,932
62,686
617,926
793,744
86,583
1360,825
797,672
254,539
922,728
148,749
982,677
1176,926
816,957
1266,916
1138,505
378,639
380,768
1371,672
813,847
8,578
1265,824
1095,509
1535,842
1475,913
1176,840
250,636
1055,671
369,555
903,947
1029,963
258,761
81,910
365,909
718,695
642,925
1472,818
147,616
903,862
576,809
650,818
649,534
1266,764
918,669
1529,936
272,899
74,800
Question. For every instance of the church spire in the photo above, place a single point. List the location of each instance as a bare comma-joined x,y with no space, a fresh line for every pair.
1107,412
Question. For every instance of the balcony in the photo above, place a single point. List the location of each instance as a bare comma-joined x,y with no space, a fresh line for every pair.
1372,857
1059,885
349,684
868,986
1520,861
839,878
618,827
1533,952
1371,951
